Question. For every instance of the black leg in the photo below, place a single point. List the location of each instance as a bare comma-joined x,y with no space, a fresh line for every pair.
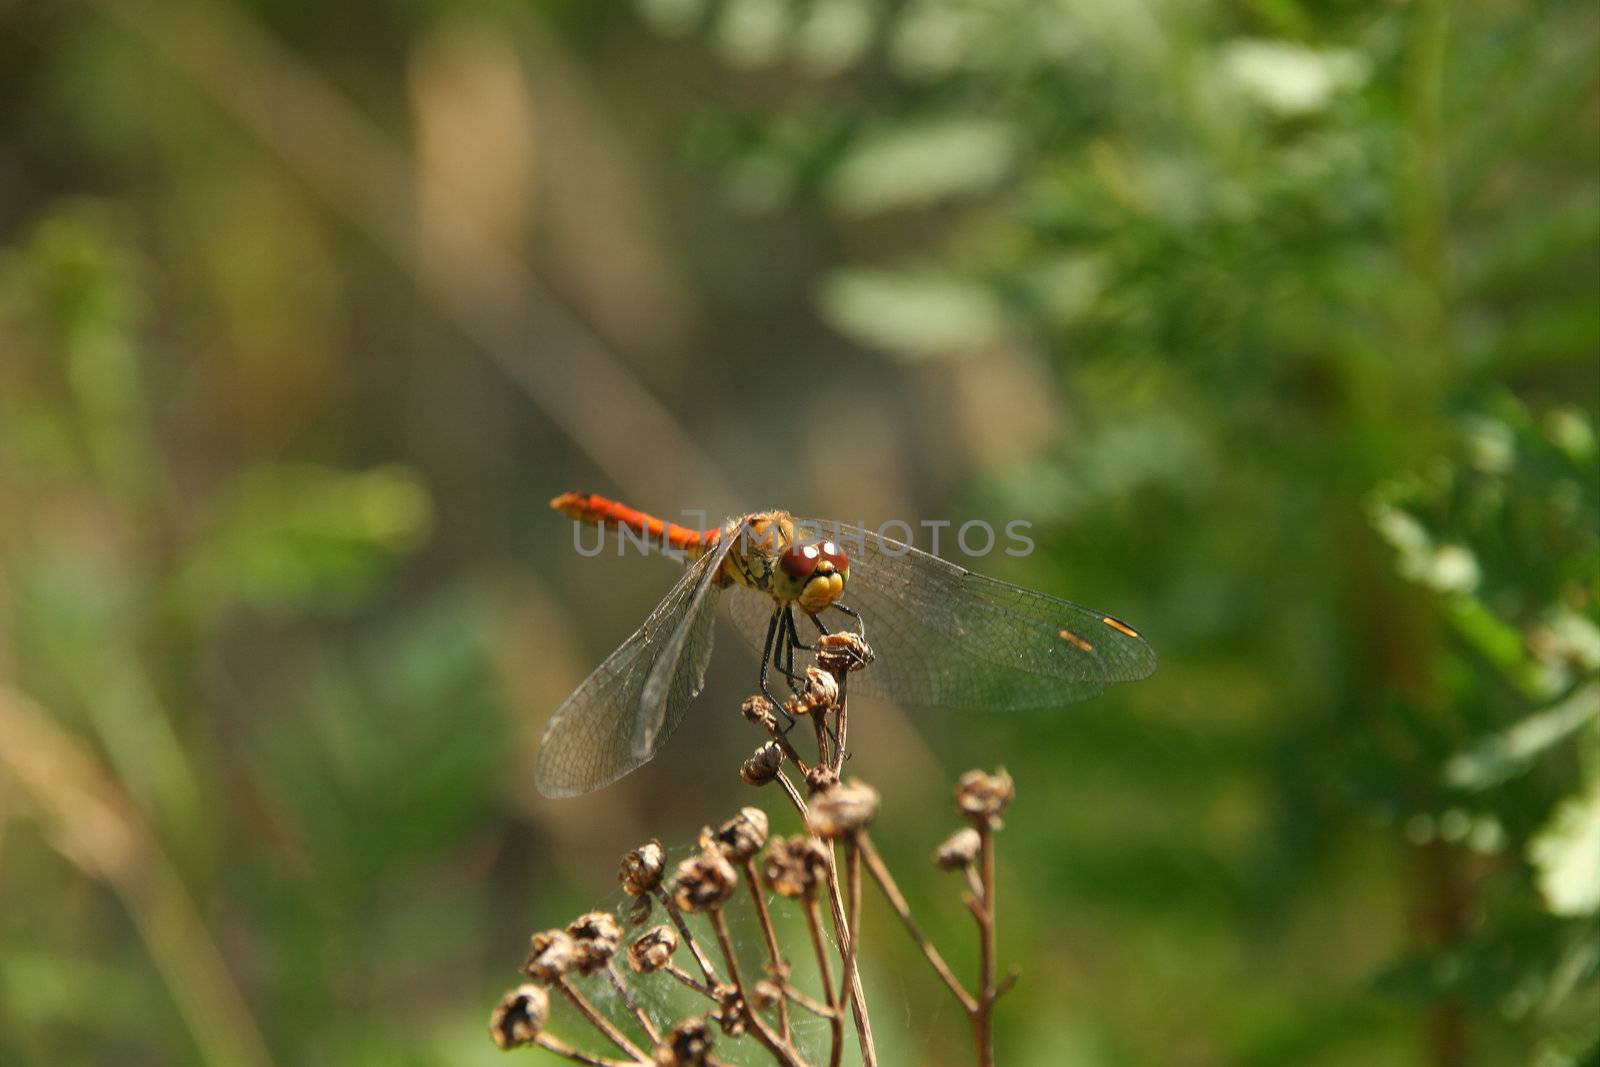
861,624
786,635
769,655
822,628
795,642
783,650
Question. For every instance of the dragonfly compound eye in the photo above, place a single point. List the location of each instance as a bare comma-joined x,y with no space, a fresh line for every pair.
800,561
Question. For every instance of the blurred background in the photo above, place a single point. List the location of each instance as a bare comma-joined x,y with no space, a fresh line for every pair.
1278,320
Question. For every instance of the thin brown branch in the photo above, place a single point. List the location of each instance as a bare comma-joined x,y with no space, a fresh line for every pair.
700,956
598,1021
820,947
577,1055
811,1004
852,975
632,1005
821,728
781,1050
841,723
852,862
983,1018
689,980
897,901
779,969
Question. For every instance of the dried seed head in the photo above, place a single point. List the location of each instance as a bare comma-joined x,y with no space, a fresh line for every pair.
958,850
730,1010
843,810
821,778
689,1045
653,949
520,1016
796,707
596,938
703,882
766,994
985,797
642,869
758,709
821,692
743,835
838,653
551,954
762,767
794,866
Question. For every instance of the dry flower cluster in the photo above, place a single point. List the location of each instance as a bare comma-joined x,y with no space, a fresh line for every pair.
803,869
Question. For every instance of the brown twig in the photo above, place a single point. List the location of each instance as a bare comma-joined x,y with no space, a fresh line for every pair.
781,1050
811,1004
897,901
699,954
819,946
852,862
984,912
842,933
779,969
689,980
598,1021
632,1005
577,1055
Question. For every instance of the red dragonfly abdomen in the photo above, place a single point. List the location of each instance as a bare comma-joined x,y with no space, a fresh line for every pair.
601,511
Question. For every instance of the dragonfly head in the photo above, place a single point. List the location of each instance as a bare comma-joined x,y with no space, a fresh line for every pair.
812,574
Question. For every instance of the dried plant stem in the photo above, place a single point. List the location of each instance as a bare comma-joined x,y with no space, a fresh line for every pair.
632,1005
781,1050
852,863
789,752
598,1021
815,1007
897,901
841,723
820,946
793,794
566,1051
983,910
688,938
852,976
844,936
828,754
780,970
689,980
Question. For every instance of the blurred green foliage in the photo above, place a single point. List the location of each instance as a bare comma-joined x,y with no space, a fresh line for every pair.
1278,321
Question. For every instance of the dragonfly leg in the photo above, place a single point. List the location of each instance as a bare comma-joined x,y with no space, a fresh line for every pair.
861,629
795,642
861,624
769,656
794,634
787,641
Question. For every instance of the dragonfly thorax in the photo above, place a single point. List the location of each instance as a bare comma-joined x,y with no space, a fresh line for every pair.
771,557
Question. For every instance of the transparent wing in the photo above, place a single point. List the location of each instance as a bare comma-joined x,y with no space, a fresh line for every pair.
624,712
948,638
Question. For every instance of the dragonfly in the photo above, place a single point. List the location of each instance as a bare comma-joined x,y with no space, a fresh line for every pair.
943,636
